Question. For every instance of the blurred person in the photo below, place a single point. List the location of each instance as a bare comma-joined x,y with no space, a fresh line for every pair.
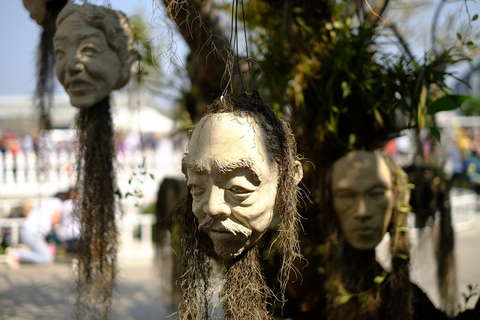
3,148
68,230
458,167
38,224
473,171
27,147
15,150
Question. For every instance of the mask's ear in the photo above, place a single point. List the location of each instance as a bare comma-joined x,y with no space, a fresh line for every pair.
298,172
125,71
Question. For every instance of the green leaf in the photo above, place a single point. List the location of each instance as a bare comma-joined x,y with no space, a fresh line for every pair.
410,186
378,279
447,102
351,139
402,229
421,108
435,132
337,24
475,17
459,36
403,208
152,176
401,256
345,89
344,299
378,117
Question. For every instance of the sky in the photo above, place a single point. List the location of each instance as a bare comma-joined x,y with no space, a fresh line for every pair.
20,35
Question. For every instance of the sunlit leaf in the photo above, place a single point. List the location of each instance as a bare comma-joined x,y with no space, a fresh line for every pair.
378,117
351,139
421,107
401,256
344,299
435,132
378,279
447,103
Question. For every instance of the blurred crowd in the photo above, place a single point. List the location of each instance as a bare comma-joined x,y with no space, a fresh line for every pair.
458,154
47,225
20,154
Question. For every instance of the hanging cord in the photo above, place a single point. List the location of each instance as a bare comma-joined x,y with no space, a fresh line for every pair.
233,41
246,46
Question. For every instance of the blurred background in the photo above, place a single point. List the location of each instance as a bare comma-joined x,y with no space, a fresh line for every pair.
152,114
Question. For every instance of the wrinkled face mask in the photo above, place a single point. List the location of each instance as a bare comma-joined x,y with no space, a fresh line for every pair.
233,181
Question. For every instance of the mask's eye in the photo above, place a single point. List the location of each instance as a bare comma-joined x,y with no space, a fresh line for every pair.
377,193
89,51
196,190
345,194
240,187
239,190
59,53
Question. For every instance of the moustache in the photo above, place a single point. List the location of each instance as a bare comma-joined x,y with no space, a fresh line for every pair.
224,226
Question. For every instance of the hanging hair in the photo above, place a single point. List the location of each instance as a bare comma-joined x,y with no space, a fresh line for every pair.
96,268
361,297
45,87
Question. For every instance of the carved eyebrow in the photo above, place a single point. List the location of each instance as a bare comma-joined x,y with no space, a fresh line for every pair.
245,163
60,38
200,169
370,188
197,167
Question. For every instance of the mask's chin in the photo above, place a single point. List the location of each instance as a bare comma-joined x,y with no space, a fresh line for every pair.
231,249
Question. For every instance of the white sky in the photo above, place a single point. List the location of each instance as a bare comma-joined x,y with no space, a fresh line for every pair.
20,35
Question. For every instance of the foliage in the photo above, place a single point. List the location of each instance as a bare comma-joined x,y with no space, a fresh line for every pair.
146,70
472,107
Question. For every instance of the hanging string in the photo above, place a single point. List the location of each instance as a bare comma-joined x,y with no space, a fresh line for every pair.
246,46
234,48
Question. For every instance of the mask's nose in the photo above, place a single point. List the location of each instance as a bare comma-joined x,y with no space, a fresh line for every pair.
216,206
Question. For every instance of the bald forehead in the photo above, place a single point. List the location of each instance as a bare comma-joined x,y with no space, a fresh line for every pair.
230,141
359,166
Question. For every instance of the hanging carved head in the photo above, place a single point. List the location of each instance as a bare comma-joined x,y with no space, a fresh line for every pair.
366,195
37,9
362,198
242,170
233,173
94,49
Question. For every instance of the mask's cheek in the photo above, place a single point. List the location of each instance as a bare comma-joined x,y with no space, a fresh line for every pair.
197,208
257,217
